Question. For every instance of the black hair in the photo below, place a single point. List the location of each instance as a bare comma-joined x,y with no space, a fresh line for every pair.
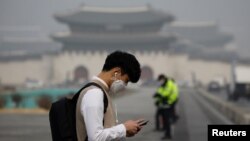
127,62
161,77
164,78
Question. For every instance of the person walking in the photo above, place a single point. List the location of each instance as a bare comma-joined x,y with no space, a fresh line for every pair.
166,95
93,124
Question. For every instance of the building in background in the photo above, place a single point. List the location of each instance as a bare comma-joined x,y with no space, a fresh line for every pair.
182,51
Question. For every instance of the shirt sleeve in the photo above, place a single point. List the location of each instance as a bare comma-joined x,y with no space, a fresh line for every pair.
92,107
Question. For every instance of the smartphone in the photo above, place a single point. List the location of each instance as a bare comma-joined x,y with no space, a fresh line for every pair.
143,122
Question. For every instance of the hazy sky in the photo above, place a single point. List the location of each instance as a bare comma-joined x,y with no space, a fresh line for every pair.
36,15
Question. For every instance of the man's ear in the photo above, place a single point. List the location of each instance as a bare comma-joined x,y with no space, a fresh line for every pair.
116,70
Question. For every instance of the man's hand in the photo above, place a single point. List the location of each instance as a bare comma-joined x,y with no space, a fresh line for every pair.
132,128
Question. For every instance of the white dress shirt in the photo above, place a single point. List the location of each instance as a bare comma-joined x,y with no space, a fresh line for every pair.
92,107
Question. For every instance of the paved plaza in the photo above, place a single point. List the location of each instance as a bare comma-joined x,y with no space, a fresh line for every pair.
192,125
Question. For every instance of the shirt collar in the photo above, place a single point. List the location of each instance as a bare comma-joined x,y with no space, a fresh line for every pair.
99,79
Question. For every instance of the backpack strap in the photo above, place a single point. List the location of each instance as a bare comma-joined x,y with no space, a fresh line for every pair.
105,99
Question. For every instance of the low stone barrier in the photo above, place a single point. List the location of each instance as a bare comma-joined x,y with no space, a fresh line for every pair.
239,115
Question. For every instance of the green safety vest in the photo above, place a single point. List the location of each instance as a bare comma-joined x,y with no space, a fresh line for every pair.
175,93
168,92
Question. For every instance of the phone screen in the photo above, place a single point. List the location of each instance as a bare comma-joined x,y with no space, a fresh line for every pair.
143,122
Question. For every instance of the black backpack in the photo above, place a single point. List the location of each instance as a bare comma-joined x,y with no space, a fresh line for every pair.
62,116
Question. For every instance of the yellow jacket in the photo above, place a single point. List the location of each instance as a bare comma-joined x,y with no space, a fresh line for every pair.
168,93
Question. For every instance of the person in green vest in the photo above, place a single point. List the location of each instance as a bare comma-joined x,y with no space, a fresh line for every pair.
166,97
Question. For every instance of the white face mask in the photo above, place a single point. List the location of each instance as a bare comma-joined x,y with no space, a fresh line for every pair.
117,86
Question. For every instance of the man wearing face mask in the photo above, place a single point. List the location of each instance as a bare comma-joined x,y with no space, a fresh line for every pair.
92,123
166,98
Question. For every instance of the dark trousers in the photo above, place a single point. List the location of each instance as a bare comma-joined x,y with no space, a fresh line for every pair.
159,115
174,115
167,115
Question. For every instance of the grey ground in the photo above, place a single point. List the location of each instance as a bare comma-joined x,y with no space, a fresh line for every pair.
195,115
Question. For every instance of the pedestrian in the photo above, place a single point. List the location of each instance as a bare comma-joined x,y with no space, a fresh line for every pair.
119,69
167,96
